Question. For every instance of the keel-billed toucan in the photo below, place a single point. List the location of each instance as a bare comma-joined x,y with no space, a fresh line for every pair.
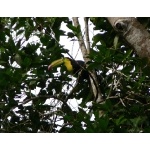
76,67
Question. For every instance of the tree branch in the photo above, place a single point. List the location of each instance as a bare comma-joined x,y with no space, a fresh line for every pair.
85,51
87,35
81,40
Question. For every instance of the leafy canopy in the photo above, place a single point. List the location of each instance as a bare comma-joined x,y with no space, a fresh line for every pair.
28,45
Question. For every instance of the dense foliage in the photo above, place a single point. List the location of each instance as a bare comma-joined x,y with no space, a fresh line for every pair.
124,80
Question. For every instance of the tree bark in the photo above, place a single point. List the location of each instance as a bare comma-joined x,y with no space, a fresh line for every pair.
134,33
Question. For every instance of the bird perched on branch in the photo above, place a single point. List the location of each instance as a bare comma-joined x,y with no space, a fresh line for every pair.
76,67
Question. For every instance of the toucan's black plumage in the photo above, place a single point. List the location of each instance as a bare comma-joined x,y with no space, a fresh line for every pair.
77,67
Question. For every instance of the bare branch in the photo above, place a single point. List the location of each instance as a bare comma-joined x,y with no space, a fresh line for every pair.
87,35
85,51
81,41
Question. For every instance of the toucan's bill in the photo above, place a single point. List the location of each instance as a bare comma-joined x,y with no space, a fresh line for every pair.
55,63
65,61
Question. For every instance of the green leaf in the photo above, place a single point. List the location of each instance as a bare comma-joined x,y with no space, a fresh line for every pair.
116,39
73,28
20,32
2,36
32,82
76,30
70,35
18,59
27,61
121,120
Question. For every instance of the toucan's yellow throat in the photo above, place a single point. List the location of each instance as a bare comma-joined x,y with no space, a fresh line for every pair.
68,64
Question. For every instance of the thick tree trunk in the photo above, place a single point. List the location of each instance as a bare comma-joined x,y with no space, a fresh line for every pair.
134,33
